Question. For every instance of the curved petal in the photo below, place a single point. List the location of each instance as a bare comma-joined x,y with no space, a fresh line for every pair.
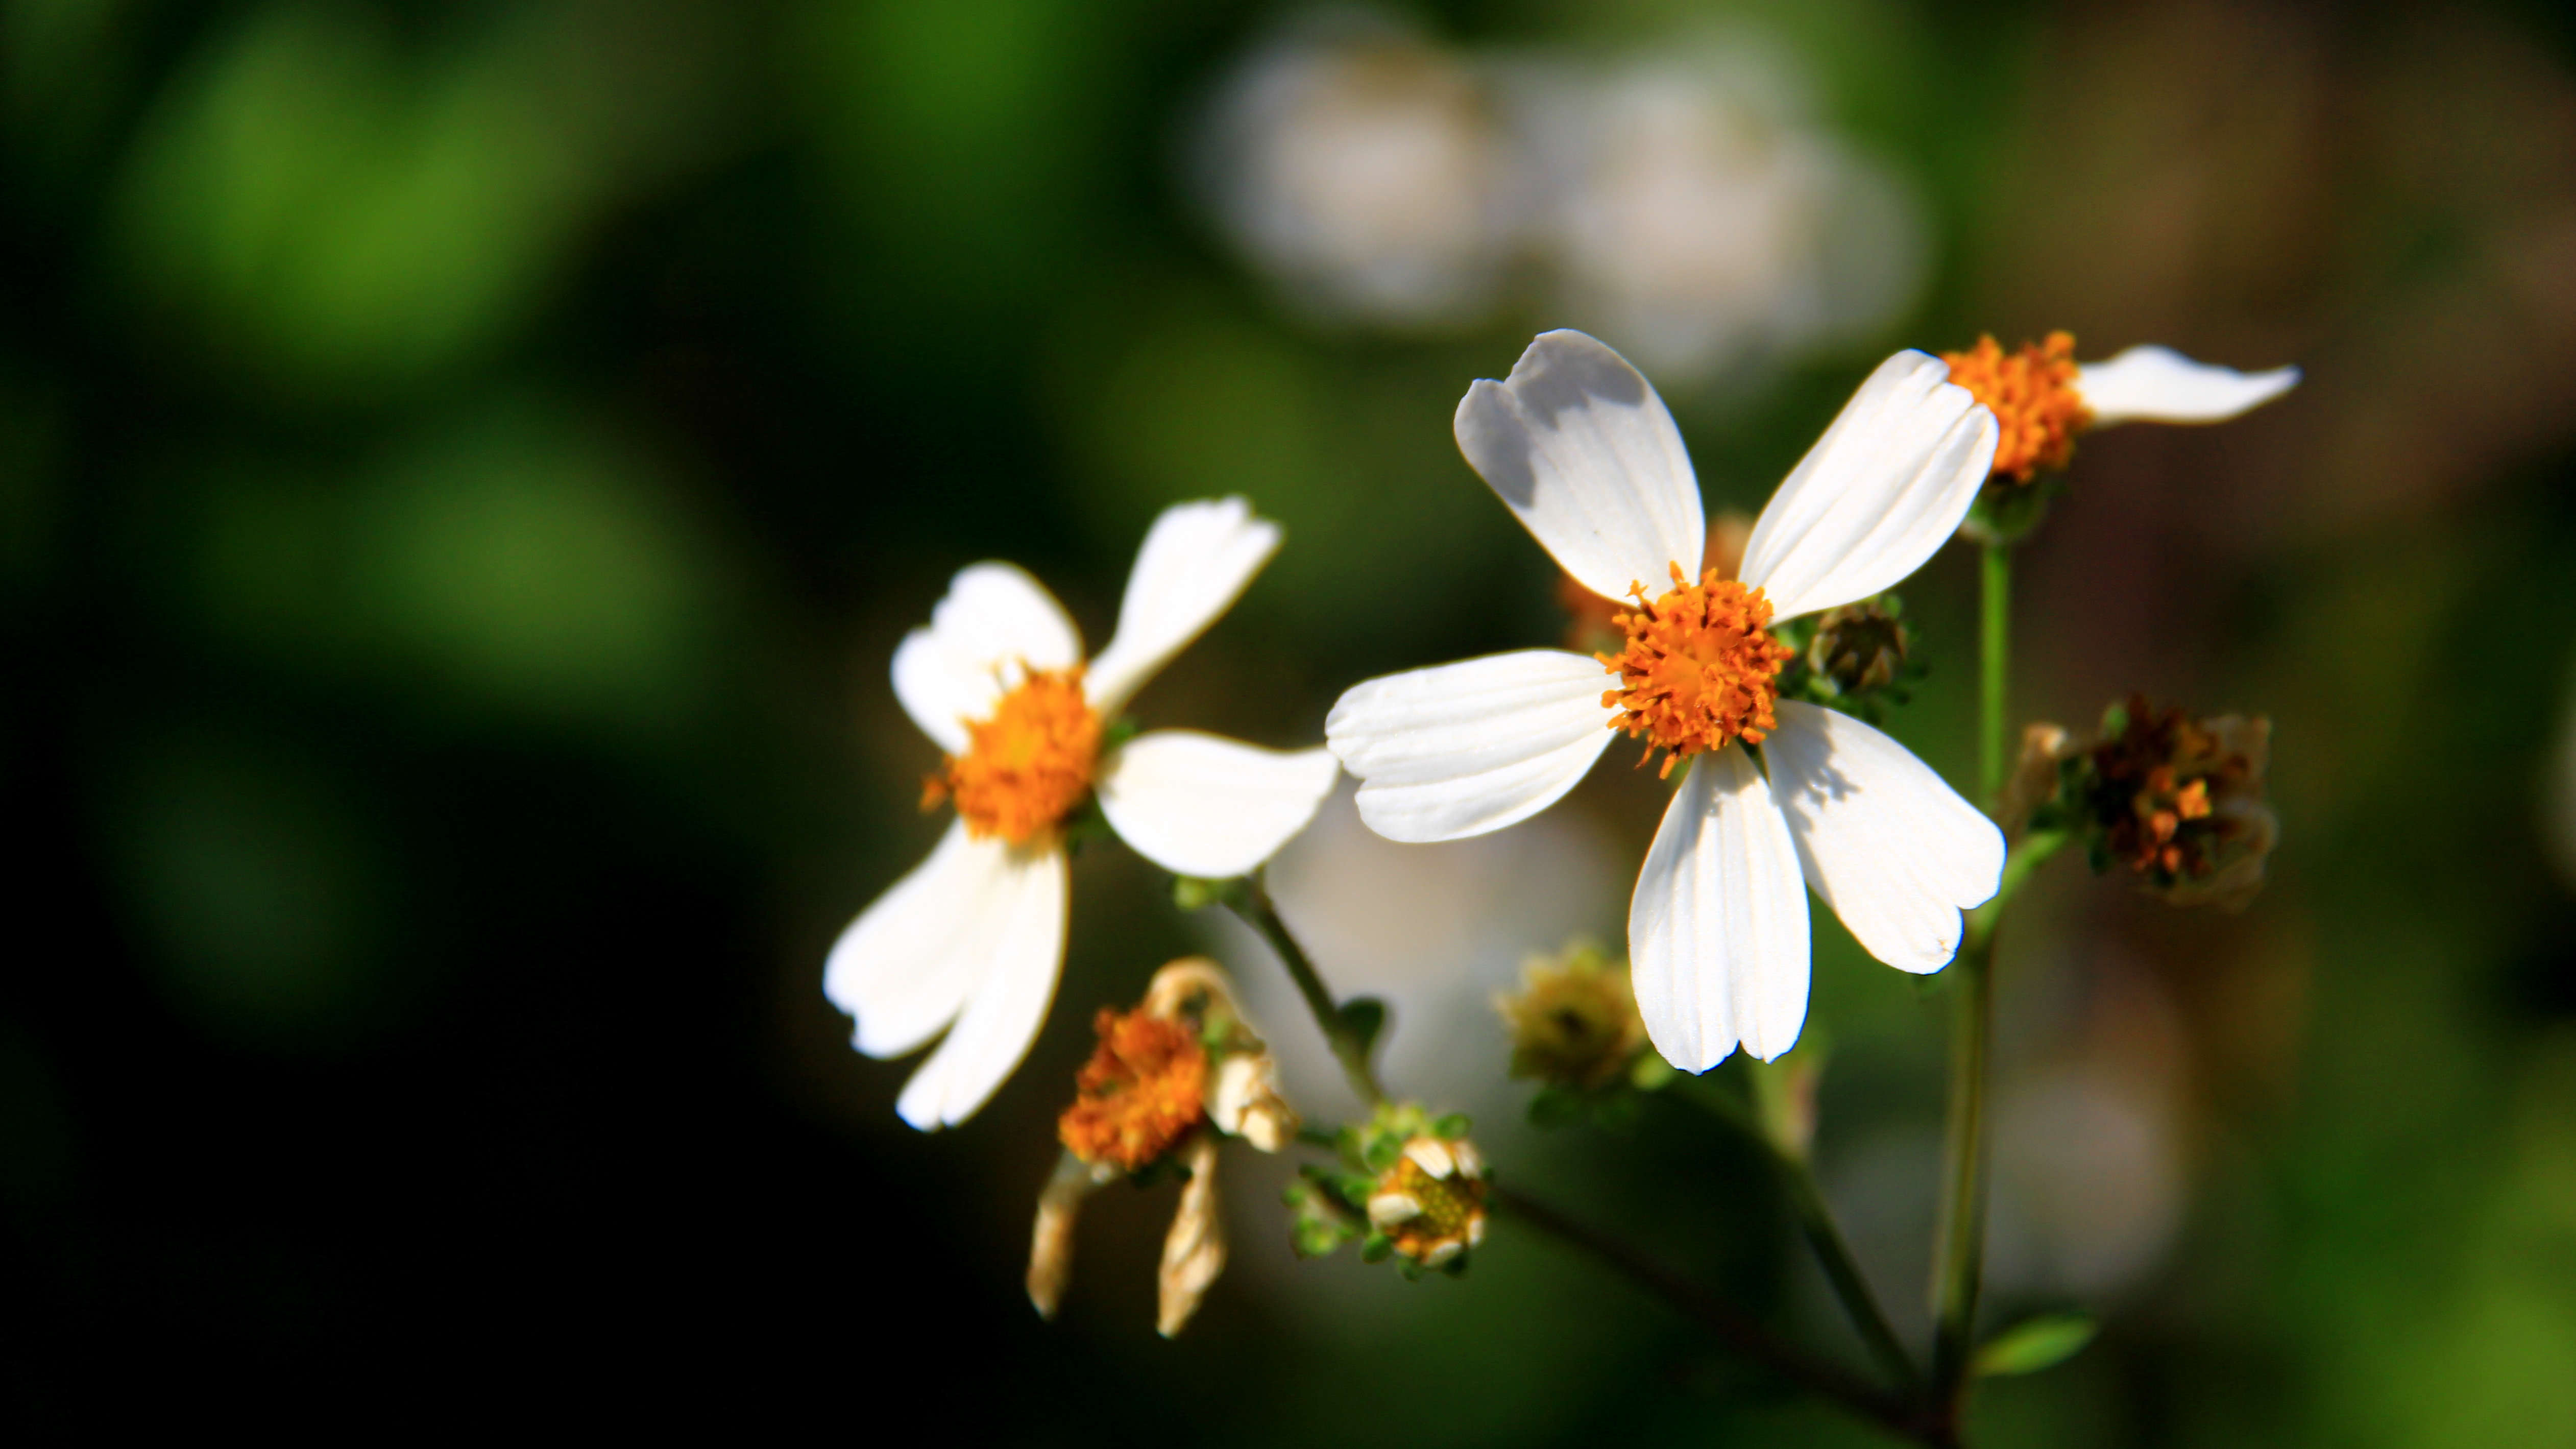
1584,454
1195,562
905,967
1465,748
1021,937
1196,804
2160,385
1884,487
994,620
1717,932
1891,847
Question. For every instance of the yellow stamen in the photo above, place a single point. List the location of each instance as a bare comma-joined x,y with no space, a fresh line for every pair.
1143,1088
2032,394
1699,668
1028,766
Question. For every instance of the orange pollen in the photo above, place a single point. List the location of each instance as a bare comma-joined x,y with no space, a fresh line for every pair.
2032,394
1029,765
1145,1085
1700,667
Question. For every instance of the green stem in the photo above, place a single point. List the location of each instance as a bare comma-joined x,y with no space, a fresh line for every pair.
1895,1412
1253,905
1823,1234
1994,657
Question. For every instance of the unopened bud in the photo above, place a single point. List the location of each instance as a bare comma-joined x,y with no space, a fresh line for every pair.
1431,1204
1859,647
1574,1022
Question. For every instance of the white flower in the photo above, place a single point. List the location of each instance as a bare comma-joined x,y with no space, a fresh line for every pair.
1582,450
1364,171
2042,398
973,939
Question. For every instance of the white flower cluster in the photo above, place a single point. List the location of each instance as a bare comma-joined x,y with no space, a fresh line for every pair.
1680,199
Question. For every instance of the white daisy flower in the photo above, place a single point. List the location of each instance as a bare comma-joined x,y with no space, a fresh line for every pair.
973,939
1583,452
2043,398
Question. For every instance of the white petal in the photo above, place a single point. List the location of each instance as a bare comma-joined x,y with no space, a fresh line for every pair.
1195,804
1880,491
2160,385
1717,932
905,967
1465,748
1582,450
994,620
1891,847
1196,560
1022,941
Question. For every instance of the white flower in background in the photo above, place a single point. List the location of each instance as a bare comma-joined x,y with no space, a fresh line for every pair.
973,939
2042,398
1364,170
1694,212
1582,450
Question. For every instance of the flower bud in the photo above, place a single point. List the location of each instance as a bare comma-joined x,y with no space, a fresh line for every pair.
1431,1204
1859,647
1574,1021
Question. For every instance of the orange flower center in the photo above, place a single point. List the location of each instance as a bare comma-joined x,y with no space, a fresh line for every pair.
1029,765
1145,1085
2032,394
1699,668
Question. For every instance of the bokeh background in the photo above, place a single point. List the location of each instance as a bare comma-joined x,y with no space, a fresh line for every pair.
464,468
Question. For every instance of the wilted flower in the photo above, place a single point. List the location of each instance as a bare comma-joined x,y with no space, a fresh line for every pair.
1574,1021
972,940
1581,449
2043,398
1166,1080
2176,800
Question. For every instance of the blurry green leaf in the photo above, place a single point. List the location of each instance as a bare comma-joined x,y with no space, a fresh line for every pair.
2034,1344
1452,1127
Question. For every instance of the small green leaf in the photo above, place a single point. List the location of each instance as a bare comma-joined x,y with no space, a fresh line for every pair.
1363,1017
2034,1344
1451,1127
1556,1107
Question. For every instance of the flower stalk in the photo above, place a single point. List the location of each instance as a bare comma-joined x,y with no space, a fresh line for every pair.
1250,901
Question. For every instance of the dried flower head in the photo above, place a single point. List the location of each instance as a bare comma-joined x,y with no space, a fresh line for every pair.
1574,1021
2177,801
1145,1085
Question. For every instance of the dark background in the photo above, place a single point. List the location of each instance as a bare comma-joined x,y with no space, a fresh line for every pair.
464,468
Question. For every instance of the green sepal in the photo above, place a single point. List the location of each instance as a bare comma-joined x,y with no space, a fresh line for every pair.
1375,1247
1451,1127
1380,1155
1363,1017
2034,1344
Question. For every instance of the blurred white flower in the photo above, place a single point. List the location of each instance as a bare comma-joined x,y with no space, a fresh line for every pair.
1364,170
973,939
1579,447
1693,212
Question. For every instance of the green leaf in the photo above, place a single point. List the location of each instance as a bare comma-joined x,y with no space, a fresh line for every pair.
1363,1017
2034,1344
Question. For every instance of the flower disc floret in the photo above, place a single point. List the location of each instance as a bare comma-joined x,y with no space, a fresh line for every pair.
2034,396
1027,766
1144,1088
1700,667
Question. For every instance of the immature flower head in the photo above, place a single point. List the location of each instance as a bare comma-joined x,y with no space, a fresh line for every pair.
1574,1021
2177,801
1859,647
1430,1204
2034,396
1030,762
1698,669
